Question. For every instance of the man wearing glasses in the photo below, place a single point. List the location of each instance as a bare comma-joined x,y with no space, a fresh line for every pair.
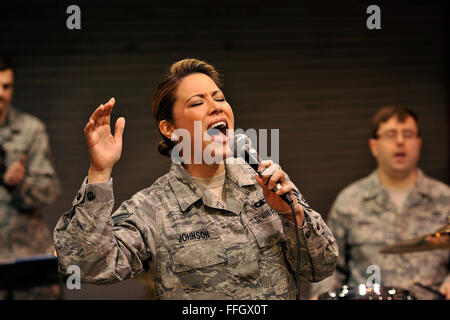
394,203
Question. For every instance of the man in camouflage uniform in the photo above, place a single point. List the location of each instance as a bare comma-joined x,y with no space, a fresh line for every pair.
395,203
27,182
198,246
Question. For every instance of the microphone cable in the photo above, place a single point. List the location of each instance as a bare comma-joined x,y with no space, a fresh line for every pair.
297,238
249,155
288,199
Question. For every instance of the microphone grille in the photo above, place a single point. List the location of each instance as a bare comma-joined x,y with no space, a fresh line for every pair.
241,142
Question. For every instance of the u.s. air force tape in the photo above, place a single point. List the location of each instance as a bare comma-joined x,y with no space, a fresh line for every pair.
300,199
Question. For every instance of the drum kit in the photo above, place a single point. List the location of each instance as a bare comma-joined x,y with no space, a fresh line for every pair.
440,239
366,293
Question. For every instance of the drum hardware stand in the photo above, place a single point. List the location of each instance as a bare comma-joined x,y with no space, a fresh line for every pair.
440,295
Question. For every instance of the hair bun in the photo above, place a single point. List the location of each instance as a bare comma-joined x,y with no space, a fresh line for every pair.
164,148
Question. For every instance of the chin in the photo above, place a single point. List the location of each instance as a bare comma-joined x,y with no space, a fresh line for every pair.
403,170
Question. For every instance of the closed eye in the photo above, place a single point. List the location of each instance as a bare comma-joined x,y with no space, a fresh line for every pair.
199,103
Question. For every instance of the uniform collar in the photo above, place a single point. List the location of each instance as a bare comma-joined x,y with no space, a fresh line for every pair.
420,190
240,173
374,187
188,191
11,116
10,126
184,186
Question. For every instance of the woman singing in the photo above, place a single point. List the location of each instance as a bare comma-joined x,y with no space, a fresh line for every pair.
206,230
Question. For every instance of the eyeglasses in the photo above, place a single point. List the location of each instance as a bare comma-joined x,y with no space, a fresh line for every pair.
392,134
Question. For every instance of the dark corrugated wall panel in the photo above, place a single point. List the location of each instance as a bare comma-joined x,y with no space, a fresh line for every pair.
312,70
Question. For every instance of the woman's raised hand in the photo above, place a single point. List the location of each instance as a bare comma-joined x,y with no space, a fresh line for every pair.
104,148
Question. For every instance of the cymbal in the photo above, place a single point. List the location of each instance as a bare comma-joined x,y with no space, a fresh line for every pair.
440,239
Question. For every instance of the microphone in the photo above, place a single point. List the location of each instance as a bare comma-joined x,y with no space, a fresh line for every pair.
242,148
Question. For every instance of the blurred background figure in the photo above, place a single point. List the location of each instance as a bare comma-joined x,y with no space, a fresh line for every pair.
27,182
394,203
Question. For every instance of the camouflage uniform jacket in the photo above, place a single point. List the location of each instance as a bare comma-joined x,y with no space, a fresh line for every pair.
198,246
364,220
23,232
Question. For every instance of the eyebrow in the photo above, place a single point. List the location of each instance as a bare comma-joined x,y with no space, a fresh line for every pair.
202,95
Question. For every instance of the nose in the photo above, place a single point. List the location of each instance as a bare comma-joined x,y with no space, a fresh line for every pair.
214,106
400,138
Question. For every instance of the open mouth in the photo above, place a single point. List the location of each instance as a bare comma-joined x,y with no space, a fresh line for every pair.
400,155
218,131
